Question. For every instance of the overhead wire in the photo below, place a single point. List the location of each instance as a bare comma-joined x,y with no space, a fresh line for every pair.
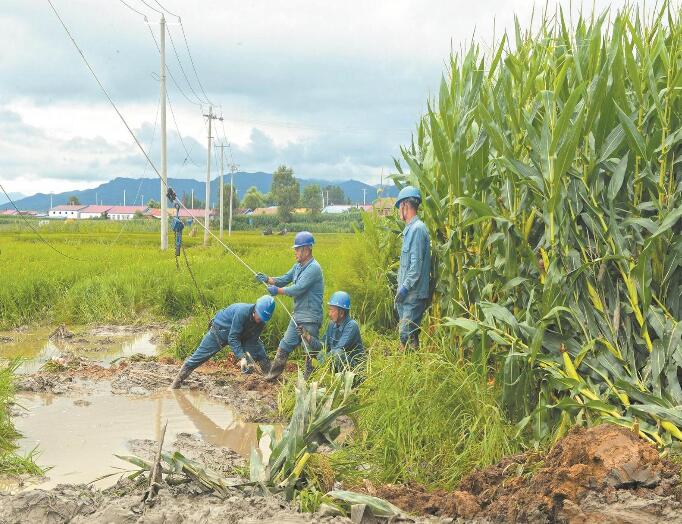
9,199
151,163
177,128
182,69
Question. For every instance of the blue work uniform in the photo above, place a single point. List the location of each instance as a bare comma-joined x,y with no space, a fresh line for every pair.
413,275
233,326
307,288
342,343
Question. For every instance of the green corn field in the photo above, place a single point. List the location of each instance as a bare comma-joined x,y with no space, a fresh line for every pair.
551,174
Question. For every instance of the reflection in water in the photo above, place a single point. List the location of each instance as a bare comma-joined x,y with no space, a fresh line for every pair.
103,347
80,436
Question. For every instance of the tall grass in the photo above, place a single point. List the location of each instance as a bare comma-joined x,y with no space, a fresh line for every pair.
552,181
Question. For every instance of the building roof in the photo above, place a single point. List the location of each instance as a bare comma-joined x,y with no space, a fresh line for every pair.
125,210
96,209
272,210
66,207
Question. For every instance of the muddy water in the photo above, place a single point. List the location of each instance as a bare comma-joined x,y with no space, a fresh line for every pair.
79,435
102,345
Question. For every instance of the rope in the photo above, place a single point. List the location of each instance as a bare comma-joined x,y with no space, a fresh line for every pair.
151,163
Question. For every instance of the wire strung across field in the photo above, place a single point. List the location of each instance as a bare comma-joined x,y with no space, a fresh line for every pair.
151,163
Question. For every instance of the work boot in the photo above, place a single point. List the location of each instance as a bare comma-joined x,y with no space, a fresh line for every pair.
181,376
264,365
308,367
278,364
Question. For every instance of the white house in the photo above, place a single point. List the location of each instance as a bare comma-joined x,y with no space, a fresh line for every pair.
124,212
335,210
94,211
66,211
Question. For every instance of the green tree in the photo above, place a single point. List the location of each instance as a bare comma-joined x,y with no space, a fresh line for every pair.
312,198
73,201
189,204
334,195
253,198
153,204
285,191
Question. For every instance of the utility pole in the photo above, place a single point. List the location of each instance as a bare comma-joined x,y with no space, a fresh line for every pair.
50,201
321,191
233,168
222,186
210,117
364,196
164,160
327,196
192,198
124,197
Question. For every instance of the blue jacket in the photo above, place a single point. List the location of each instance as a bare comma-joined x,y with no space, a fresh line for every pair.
343,343
415,260
307,289
236,326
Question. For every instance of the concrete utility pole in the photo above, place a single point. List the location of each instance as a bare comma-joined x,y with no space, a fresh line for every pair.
210,117
164,160
192,199
50,201
233,168
321,191
222,186
364,196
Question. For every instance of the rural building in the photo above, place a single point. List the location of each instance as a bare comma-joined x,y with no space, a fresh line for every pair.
272,210
14,212
94,211
336,209
384,206
124,212
66,211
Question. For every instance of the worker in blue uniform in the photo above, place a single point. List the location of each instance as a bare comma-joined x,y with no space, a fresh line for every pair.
304,282
238,326
341,341
412,296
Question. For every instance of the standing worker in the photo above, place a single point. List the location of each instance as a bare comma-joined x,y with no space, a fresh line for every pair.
412,297
306,287
238,326
341,341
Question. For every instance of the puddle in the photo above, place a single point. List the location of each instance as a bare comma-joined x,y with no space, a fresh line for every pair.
78,435
102,345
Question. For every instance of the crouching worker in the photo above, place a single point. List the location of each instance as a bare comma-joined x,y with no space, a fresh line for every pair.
341,341
238,326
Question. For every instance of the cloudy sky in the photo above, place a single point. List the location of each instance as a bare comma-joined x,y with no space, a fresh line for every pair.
329,88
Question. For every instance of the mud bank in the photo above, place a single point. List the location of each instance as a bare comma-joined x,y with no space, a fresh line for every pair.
251,395
121,504
603,474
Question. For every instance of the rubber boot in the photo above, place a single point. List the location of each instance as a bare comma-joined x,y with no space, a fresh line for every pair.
180,377
264,365
278,364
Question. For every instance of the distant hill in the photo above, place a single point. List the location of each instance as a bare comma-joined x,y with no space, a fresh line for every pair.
137,189
13,196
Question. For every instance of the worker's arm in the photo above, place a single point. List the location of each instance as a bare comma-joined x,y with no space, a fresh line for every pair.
315,343
284,279
418,246
350,336
307,279
236,330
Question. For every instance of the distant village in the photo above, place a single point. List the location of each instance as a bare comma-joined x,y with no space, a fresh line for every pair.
382,206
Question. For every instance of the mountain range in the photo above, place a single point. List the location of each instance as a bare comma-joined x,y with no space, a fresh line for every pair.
139,190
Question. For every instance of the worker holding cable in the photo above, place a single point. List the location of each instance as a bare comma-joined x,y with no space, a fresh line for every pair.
238,326
304,282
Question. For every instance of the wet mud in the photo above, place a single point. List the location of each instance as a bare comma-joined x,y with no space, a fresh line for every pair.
602,474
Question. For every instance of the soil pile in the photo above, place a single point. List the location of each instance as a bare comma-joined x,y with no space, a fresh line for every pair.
601,474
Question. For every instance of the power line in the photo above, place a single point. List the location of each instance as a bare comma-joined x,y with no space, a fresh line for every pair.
187,153
9,199
182,69
133,9
151,7
184,36
167,11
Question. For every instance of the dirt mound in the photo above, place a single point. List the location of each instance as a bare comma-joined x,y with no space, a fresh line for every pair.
600,474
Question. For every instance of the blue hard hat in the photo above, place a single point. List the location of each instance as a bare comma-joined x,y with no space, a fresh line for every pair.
304,238
265,307
340,299
407,192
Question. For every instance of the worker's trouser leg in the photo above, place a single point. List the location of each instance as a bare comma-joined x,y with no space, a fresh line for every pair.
410,313
209,346
291,339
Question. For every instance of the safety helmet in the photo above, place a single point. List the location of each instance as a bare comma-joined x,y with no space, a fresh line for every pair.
304,238
408,192
340,299
265,307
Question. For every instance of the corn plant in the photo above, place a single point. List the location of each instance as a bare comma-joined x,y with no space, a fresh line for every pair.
551,171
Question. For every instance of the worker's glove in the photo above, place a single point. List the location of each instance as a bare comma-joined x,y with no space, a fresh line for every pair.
303,333
261,277
401,294
246,365
273,290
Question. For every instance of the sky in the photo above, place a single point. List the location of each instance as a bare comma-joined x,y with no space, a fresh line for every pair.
332,89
